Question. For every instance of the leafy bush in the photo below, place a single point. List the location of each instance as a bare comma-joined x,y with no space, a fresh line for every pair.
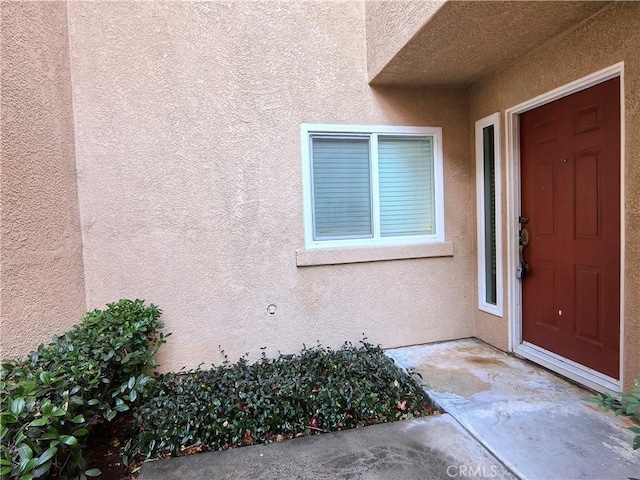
51,398
628,404
241,404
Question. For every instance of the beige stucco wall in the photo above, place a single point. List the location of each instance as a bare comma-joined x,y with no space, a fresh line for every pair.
611,36
390,24
190,179
41,272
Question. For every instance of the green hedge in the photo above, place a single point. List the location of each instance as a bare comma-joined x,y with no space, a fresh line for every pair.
241,404
52,398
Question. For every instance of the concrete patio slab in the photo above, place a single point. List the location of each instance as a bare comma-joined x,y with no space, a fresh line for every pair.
425,448
538,424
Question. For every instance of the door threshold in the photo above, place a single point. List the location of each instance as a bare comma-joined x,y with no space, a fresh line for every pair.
578,373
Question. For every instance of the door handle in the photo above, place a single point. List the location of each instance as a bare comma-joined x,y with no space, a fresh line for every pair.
523,241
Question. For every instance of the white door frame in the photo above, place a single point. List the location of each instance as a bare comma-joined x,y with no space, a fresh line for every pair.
581,374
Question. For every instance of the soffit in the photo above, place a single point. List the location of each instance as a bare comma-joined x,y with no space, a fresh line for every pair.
464,41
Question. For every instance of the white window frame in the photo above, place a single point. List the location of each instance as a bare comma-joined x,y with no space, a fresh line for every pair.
491,120
307,130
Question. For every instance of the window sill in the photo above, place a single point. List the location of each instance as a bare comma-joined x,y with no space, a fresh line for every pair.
336,256
491,310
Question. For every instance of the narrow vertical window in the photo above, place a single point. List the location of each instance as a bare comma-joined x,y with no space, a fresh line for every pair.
489,187
489,224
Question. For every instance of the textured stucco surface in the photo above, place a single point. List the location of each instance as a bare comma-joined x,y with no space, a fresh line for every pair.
390,24
190,180
611,36
463,41
42,289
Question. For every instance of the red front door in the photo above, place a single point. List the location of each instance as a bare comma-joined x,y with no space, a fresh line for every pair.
570,172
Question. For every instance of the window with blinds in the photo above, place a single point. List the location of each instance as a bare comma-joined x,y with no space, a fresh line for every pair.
373,187
489,223
405,169
341,187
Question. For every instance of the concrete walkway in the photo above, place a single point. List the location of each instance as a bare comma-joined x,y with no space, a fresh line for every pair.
420,449
504,416
539,425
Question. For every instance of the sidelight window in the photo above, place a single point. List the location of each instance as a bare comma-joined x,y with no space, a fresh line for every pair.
488,196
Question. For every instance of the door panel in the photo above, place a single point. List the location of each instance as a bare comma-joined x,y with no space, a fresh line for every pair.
570,172
586,196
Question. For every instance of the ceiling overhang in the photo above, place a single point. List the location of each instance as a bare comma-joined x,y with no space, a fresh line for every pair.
464,41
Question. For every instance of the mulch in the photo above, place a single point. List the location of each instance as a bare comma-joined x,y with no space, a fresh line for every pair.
105,446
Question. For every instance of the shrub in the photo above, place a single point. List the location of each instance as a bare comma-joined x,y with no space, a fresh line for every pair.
628,404
241,404
51,398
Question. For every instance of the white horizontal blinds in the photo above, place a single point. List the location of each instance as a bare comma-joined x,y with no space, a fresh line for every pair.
406,185
341,187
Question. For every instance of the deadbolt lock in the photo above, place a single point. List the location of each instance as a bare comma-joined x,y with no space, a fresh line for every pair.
522,270
525,236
